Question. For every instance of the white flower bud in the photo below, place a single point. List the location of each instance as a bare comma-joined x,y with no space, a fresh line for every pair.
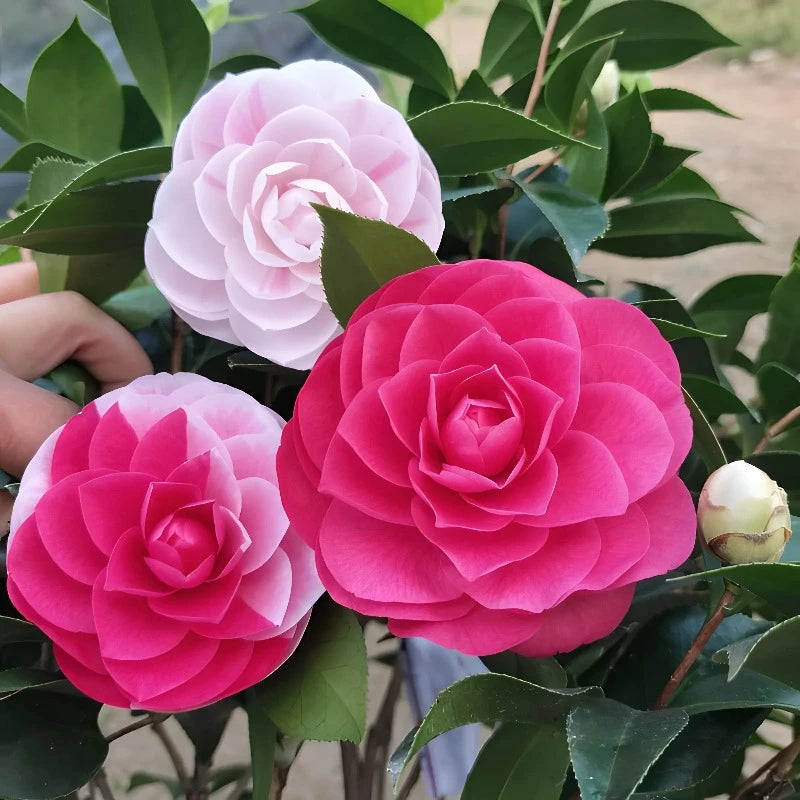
606,88
743,515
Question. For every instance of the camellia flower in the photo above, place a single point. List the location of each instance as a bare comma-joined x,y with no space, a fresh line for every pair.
234,243
148,541
743,514
488,458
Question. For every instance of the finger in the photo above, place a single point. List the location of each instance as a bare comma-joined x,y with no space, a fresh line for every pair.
6,504
39,333
28,415
18,280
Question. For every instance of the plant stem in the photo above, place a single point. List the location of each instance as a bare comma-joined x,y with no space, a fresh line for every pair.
779,427
176,351
776,769
143,722
409,785
100,780
175,757
541,64
543,167
700,641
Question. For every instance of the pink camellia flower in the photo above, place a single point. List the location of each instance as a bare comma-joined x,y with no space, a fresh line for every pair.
234,243
148,541
488,458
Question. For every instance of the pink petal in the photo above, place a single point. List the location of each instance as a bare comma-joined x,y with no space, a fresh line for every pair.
405,398
333,82
253,456
258,279
436,331
71,452
267,589
127,570
98,686
208,602
163,447
264,519
163,500
303,122
211,196
534,318
485,349
272,315
113,442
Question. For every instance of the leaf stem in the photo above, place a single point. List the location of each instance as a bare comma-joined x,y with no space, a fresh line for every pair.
143,722
541,64
100,780
779,427
700,641
175,757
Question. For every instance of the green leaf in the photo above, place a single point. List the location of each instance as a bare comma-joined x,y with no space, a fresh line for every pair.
75,383
475,88
359,255
613,746
663,99
74,101
421,99
572,76
420,11
663,161
49,745
577,218
321,692
101,276
205,727
588,167
168,47
50,176
23,159
12,115
705,439
673,331
712,398
783,466
487,698
656,34
139,779
19,678
780,391
520,762
263,734
783,330
773,654
141,127
684,182
17,630
9,255
541,671
629,138
468,137
671,226
369,31
96,220
100,6
241,63
137,308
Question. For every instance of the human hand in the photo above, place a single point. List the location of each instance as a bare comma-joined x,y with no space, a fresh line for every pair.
37,333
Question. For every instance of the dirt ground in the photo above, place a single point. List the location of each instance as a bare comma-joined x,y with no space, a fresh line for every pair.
753,162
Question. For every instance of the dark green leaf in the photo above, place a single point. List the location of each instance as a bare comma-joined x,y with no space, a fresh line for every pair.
783,330
75,383
14,680
773,653
9,255
663,161
572,76
12,115
679,100
704,437
476,88
672,331
629,137
656,34
241,63
520,762
541,671
205,727
100,6
321,692
17,630
50,176
421,100
23,159
783,466
223,776
613,746
168,47
684,182
141,127
671,226
712,398
136,308
359,255
371,32
587,167
487,698
96,220
468,137
420,11
780,391
49,745
577,218
74,101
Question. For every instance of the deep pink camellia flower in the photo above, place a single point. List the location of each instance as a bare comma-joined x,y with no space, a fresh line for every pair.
488,458
149,543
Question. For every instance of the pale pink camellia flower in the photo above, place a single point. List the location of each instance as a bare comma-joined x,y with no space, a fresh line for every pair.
489,459
148,541
234,243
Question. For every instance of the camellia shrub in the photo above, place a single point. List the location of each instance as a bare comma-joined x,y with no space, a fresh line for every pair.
388,399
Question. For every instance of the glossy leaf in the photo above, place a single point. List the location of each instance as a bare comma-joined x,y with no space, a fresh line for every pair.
663,161
19,678
168,47
141,127
49,745
100,6
577,218
23,159
655,34
487,698
684,182
613,746
476,88
49,177
359,255
664,99
705,439
12,115
421,99
263,735
17,630
321,692
468,137
241,63
588,167
783,330
74,101
420,11
713,398
520,762
780,391
672,331
205,727
370,31
671,226
136,308
541,671
629,138
773,653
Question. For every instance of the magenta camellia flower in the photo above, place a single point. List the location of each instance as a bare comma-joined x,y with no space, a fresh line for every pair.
488,458
149,543
234,243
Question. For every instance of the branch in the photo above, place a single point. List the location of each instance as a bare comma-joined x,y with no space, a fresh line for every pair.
776,769
143,722
176,351
700,641
779,427
175,757
100,780
541,64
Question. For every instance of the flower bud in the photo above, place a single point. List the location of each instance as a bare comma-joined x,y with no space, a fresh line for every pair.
606,88
743,515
